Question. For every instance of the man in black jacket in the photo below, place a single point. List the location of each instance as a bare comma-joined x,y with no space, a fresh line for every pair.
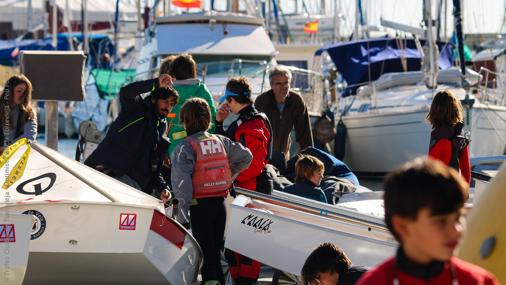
136,144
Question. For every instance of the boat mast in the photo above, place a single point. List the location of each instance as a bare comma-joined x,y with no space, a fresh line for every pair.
457,16
356,31
431,54
467,102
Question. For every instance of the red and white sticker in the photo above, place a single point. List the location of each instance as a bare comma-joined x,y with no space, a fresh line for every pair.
127,222
7,233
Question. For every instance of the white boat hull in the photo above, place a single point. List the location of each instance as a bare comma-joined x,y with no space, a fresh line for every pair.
379,142
14,240
283,237
87,244
91,229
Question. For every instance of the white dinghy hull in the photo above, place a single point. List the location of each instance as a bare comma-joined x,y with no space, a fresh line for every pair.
281,233
90,229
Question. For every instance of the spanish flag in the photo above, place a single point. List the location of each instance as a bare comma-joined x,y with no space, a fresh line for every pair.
311,27
187,3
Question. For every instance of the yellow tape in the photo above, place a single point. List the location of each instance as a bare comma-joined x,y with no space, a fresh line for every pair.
179,135
20,166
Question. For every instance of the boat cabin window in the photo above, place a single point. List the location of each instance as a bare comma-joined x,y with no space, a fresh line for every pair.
300,80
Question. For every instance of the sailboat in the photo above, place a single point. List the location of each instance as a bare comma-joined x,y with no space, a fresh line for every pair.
385,119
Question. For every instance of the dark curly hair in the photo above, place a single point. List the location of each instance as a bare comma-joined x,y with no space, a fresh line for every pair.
325,258
240,85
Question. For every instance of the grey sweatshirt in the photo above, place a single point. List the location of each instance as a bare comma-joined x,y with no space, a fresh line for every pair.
183,162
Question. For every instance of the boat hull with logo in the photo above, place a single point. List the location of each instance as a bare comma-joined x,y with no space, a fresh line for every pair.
91,229
282,232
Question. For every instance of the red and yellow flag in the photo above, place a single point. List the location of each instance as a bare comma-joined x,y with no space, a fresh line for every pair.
187,3
311,27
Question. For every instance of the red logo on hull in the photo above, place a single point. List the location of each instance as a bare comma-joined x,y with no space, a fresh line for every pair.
7,233
127,222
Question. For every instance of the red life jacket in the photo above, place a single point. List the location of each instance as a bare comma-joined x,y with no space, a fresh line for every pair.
211,174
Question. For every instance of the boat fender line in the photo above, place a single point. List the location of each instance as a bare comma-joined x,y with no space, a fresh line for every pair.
340,140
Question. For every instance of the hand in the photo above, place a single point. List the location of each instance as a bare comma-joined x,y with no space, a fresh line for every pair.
222,112
165,80
166,161
165,196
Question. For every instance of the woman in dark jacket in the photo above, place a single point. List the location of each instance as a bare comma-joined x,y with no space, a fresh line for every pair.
17,114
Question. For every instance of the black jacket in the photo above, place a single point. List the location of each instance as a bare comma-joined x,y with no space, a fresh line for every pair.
136,141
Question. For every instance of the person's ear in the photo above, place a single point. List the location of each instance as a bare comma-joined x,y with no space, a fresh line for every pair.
401,226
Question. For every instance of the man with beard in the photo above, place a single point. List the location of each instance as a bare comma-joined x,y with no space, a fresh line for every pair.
136,144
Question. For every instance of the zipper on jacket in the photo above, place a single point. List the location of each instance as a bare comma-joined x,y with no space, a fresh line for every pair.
131,123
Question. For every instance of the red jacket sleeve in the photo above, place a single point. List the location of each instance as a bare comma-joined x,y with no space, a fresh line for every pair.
465,164
252,135
442,151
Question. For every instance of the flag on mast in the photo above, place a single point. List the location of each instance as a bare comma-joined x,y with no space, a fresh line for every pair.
187,3
311,27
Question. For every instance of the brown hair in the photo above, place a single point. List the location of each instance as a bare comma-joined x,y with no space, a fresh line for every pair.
26,107
241,86
445,110
195,115
306,165
422,183
326,258
165,65
183,67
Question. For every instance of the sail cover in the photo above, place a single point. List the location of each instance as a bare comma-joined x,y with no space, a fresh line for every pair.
364,61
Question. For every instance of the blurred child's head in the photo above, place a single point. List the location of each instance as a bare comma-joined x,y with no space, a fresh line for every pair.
195,115
309,168
445,110
324,265
423,203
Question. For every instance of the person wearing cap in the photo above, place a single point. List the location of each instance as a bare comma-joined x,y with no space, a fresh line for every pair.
251,129
136,143
286,110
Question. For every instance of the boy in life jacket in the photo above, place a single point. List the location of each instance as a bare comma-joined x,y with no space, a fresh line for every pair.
309,173
329,265
423,203
251,129
203,168
446,140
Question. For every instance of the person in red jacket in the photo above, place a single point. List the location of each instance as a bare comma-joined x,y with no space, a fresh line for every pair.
423,203
252,129
446,141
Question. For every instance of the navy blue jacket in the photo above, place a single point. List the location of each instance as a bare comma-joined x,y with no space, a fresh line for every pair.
306,189
135,142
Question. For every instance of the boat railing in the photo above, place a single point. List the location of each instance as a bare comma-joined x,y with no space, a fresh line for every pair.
320,209
492,86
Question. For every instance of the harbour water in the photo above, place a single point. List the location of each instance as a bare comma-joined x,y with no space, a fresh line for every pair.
67,146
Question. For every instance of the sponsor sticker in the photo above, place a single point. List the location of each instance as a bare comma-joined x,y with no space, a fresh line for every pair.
38,223
259,225
7,233
127,222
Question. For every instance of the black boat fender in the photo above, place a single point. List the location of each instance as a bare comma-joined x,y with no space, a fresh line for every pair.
340,140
